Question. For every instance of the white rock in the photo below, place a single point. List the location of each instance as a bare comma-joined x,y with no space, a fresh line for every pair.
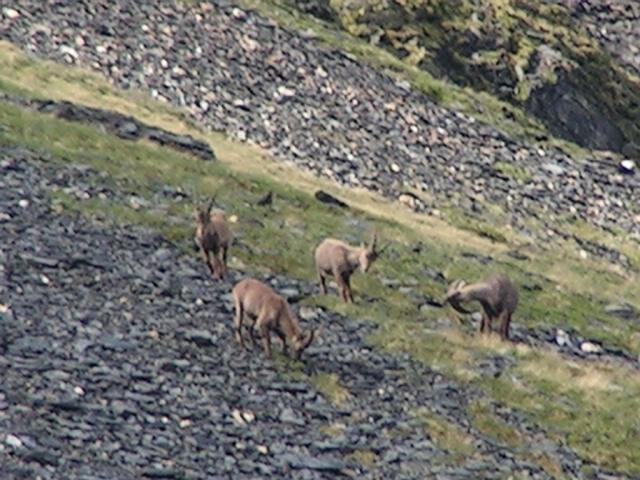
627,166
79,41
395,167
238,14
67,50
588,347
262,449
10,13
237,416
44,279
78,391
4,217
24,203
248,416
13,441
101,49
562,338
286,92
185,423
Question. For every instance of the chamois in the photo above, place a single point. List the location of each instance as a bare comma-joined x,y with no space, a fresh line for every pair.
208,240
337,258
497,295
271,313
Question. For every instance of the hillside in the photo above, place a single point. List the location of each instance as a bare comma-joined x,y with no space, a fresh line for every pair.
117,348
572,65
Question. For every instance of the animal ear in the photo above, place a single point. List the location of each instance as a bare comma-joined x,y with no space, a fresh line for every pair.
210,205
374,241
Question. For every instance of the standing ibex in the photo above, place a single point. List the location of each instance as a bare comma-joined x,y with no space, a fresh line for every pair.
271,313
497,294
337,258
225,237
213,237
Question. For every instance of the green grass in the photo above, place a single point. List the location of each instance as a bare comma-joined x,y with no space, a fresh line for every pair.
593,412
446,435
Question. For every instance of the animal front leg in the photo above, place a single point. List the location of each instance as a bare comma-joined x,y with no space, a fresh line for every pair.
485,323
238,323
207,260
266,341
252,335
284,343
322,281
349,293
341,286
218,267
224,259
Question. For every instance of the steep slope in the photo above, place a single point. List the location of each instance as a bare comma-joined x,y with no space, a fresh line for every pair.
238,72
396,386
570,64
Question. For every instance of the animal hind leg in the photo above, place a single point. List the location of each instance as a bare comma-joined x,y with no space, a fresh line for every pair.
504,326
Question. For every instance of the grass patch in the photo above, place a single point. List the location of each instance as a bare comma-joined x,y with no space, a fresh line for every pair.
329,385
447,435
513,171
366,458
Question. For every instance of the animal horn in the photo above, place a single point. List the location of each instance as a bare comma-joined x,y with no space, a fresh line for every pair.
211,202
374,241
309,338
452,299
456,305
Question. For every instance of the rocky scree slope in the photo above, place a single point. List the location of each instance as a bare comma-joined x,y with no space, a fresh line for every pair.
571,64
118,360
239,72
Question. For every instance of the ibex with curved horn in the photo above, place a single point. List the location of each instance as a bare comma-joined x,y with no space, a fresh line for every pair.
337,258
497,295
271,313
208,240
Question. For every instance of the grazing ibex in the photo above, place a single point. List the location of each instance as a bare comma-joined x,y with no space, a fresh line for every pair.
208,240
497,294
271,313
337,258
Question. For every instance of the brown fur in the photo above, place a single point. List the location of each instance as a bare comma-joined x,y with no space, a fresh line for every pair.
225,237
208,240
271,313
497,295
337,258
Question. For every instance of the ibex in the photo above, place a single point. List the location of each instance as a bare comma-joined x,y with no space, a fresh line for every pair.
497,294
337,258
271,313
208,240
225,237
